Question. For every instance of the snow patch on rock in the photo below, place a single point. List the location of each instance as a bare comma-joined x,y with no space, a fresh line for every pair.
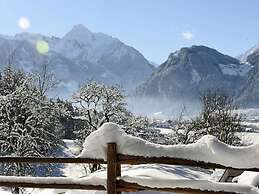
196,78
234,69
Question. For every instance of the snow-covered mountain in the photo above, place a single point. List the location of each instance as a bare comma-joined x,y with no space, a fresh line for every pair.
189,72
243,57
79,56
249,93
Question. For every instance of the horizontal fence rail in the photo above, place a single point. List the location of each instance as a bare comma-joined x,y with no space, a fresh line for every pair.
10,159
133,187
134,160
122,159
51,185
114,162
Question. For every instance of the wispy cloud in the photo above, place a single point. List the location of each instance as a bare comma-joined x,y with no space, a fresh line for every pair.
188,35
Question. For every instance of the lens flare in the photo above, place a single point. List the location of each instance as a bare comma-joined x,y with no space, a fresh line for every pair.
42,46
24,23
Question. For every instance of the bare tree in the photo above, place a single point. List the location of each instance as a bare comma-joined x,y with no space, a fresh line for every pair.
96,104
184,130
99,103
45,79
218,118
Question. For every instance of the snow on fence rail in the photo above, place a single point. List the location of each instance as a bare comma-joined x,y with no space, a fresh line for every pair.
208,149
105,146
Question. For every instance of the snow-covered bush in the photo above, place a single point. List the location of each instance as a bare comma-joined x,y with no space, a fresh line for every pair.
29,123
217,118
184,132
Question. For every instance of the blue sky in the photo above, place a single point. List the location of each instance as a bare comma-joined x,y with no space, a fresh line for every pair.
154,27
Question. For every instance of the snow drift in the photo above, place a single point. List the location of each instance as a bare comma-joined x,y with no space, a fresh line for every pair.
207,149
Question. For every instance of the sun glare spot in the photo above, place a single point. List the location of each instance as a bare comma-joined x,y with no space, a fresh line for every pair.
24,23
42,46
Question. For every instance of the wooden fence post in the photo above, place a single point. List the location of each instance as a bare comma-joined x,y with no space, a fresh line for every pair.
118,171
111,168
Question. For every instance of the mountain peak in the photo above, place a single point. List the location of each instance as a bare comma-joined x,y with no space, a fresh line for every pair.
198,48
185,52
79,32
199,52
81,28
252,50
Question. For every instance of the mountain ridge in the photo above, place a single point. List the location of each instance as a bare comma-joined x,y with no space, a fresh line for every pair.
190,71
90,55
82,55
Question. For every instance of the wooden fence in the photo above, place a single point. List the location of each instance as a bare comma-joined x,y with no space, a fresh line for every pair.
114,162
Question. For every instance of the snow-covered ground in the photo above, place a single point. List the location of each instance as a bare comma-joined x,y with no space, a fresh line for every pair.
251,114
164,171
155,175
207,149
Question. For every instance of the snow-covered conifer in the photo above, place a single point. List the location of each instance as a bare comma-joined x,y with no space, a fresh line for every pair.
29,125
